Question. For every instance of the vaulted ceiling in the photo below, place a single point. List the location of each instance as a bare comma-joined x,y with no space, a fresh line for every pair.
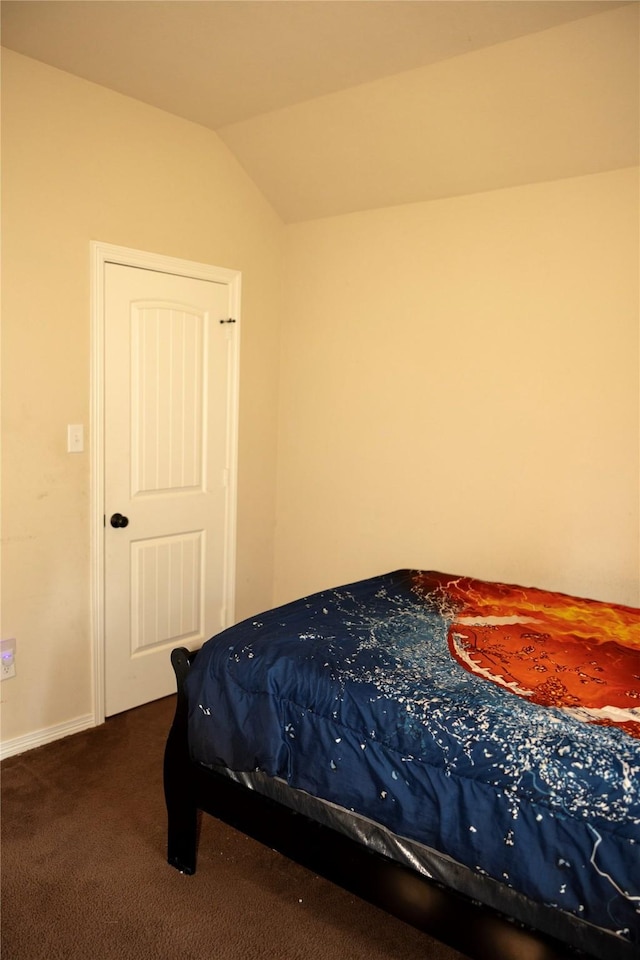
340,105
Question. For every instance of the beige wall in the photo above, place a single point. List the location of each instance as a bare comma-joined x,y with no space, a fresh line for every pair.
459,391
81,163
458,379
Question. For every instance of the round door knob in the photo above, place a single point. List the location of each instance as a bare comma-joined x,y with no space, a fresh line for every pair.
117,520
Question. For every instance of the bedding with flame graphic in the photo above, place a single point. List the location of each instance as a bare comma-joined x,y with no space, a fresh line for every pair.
582,656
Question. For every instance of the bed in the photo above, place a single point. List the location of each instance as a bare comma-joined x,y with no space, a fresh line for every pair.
465,754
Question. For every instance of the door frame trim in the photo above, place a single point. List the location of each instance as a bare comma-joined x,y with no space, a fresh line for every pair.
101,254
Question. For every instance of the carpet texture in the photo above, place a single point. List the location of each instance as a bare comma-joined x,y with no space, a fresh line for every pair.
84,873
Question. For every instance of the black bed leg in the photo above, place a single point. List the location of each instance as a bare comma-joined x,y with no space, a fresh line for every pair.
181,847
182,812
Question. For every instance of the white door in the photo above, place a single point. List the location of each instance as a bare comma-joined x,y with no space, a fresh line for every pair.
168,422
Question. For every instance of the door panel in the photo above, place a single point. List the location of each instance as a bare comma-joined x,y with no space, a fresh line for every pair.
167,423
168,396
167,590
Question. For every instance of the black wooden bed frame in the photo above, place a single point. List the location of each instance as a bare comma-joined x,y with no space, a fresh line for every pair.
477,931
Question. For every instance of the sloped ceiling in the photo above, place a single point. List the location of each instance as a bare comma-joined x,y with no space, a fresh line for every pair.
339,106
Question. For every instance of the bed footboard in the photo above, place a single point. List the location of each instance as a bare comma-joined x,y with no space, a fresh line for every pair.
179,789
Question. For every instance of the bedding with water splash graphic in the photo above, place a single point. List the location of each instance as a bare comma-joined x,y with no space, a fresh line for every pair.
497,724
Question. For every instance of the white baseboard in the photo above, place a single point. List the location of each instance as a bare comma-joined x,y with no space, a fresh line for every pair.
9,748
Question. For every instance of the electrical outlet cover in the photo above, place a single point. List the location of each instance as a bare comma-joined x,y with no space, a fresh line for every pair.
7,659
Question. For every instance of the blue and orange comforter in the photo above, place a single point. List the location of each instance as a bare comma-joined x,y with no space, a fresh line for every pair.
496,724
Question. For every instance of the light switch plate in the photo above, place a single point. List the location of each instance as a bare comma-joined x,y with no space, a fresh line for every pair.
75,438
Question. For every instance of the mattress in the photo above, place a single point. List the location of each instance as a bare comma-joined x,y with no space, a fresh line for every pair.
494,724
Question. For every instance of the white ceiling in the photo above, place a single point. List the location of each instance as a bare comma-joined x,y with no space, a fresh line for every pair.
339,105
